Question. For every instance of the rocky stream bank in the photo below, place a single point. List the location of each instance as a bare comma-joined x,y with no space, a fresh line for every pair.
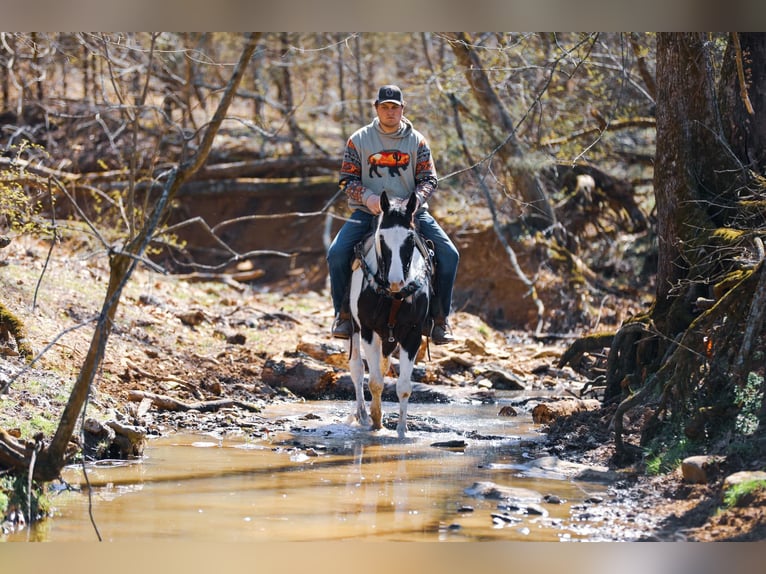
208,356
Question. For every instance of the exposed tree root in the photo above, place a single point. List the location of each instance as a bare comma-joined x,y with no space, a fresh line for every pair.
695,374
587,344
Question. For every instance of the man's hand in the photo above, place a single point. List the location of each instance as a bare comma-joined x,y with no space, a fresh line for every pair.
373,204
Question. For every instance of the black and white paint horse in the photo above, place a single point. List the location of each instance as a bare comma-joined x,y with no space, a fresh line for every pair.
390,296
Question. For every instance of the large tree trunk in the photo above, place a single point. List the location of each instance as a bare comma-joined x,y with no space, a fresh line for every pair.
681,350
683,173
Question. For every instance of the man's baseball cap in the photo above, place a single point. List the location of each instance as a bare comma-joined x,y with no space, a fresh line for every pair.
390,93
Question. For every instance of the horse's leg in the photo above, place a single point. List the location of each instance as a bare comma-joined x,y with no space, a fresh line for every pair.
356,366
374,362
403,391
404,382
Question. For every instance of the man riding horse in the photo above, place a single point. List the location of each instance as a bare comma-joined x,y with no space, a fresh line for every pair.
389,141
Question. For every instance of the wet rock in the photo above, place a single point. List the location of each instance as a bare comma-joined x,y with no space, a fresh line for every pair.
97,439
504,518
493,491
524,508
112,440
552,467
507,411
450,444
483,383
415,423
303,376
502,379
698,469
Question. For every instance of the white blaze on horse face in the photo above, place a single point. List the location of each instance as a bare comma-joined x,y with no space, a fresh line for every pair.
393,238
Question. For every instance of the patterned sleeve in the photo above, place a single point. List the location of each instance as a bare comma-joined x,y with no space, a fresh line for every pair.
351,174
425,173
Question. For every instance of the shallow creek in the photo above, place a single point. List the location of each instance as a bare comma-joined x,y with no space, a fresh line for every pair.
325,479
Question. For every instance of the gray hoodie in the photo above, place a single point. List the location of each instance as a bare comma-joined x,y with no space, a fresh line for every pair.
398,163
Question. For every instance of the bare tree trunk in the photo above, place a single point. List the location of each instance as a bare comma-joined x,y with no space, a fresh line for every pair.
286,95
501,128
188,87
643,68
86,64
36,67
259,84
360,88
4,84
341,89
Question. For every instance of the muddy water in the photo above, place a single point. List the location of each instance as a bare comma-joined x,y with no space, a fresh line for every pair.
326,479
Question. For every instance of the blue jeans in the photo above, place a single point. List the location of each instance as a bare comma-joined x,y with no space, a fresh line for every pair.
341,252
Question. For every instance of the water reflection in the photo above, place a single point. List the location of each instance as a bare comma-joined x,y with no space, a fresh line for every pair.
323,480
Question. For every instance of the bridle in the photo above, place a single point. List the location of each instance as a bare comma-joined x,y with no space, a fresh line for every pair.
382,287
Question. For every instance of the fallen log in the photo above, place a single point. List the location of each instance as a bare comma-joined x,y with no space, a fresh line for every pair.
548,412
170,404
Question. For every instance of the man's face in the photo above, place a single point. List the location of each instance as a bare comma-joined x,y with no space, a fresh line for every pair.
389,115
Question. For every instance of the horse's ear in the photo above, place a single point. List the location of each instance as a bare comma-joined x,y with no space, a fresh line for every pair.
385,205
412,204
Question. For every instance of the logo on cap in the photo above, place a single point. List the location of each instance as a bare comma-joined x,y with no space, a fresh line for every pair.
389,93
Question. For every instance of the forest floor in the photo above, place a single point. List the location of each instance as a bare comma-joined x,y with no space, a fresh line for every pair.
205,341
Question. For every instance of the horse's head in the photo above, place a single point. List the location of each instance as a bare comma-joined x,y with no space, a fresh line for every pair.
395,241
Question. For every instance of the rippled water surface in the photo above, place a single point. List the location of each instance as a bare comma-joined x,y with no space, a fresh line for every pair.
325,479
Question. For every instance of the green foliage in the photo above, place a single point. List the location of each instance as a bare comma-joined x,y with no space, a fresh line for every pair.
14,494
739,493
666,453
20,204
748,398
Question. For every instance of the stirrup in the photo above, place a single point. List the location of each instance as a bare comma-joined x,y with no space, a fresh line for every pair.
441,334
341,326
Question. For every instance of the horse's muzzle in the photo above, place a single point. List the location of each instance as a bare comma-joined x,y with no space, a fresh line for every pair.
396,286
